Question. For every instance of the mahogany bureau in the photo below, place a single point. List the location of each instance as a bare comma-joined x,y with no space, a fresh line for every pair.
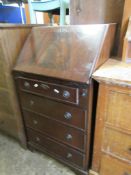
55,90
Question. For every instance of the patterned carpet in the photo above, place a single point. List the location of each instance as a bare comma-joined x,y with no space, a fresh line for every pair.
14,160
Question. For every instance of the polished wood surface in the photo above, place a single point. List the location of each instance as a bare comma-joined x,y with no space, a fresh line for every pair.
50,90
68,53
45,115
112,150
55,90
53,129
69,115
70,155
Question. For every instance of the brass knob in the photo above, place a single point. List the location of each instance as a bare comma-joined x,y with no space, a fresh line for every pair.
78,10
31,102
67,115
69,137
26,84
35,122
66,94
37,139
69,155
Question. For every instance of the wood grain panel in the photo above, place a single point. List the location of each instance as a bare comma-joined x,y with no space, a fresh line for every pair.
93,12
119,117
109,166
113,144
98,12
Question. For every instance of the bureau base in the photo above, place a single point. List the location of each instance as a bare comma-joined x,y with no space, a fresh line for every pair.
33,147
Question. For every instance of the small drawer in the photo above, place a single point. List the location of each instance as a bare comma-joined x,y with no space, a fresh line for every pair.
117,143
112,166
68,114
58,131
57,149
54,91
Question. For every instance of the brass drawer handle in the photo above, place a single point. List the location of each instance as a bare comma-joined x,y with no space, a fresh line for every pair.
67,115
45,86
78,10
69,137
31,102
26,84
35,122
69,155
37,139
66,94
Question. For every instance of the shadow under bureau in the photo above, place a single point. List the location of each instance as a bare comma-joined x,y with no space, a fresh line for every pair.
55,91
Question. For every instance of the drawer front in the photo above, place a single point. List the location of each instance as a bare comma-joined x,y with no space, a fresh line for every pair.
68,135
119,110
110,166
54,91
58,111
60,150
117,143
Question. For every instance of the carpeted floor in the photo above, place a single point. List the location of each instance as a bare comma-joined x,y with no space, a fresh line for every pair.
14,160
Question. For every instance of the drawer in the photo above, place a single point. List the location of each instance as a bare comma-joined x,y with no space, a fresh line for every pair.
67,135
119,110
54,91
57,149
111,166
117,144
70,115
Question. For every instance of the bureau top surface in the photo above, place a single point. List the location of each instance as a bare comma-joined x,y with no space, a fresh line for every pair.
66,52
114,72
